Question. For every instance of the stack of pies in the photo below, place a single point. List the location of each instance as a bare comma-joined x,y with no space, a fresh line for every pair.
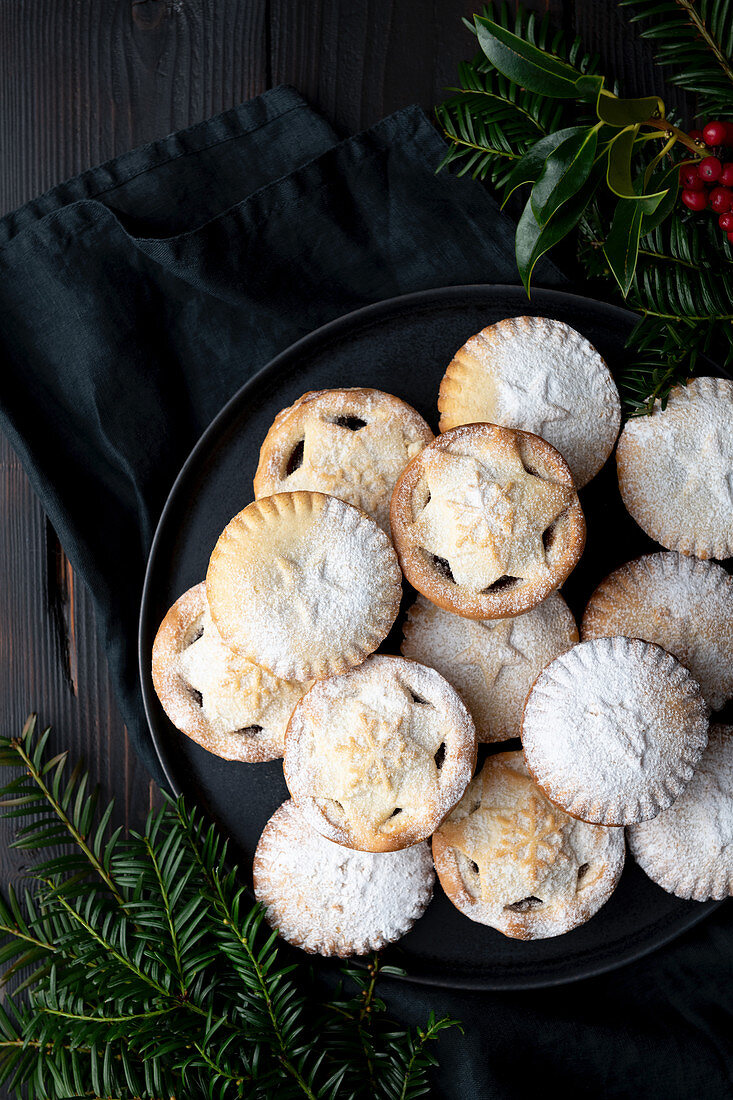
274,653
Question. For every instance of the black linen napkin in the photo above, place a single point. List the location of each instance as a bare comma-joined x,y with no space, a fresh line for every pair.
138,297
134,301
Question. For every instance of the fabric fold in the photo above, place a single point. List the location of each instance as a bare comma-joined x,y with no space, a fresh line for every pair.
138,297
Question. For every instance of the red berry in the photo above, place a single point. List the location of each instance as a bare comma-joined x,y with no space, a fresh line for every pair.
690,178
725,221
714,133
721,200
696,135
710,169
695,200
728,133
726,176
730,237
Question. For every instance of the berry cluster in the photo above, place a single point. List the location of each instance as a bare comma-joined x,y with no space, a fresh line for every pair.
709,183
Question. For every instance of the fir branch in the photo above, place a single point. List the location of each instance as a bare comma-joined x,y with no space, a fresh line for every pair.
597,158
694,42
491,122
157,976
33,793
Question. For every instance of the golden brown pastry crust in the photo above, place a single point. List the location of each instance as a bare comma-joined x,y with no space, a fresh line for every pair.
507,857
304,584
225,703
349,443
542,376
679,603
377,757
331,900
486,521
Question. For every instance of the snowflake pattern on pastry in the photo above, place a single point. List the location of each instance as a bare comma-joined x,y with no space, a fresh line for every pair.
382,754
675,469
487,522
507,857
377,757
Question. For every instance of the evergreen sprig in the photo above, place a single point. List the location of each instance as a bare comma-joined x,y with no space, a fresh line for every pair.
491,121
534,111
694,44
140,968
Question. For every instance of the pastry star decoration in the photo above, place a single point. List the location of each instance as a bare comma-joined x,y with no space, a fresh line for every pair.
491,648
623,725
487,521
528,836
352,461
379,754
531,405
212,669
312,587
708,465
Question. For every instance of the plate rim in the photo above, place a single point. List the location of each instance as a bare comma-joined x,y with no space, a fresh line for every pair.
346,323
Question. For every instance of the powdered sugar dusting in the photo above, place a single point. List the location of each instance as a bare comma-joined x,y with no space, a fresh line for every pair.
675,469
354,444
542,376
491,663
509,858
681,604
613,730
486,521
332,900
688,848
304,584
225,703
377,757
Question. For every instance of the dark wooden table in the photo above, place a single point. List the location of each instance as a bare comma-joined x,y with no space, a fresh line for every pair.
82,81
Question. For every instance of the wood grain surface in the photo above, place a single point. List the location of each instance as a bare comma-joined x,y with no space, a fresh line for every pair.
82,81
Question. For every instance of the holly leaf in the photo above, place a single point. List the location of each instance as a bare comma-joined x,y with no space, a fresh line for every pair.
627,112
621,247
618,173
565,171
669,179
534,240
530,67
529,167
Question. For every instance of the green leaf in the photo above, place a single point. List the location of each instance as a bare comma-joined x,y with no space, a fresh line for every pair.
627,112
694,42
529,167
564,173
532,68
534,240
621,247
669,179
618,173
620,151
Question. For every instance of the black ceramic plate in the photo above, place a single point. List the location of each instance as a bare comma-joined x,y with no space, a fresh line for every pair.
402,346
